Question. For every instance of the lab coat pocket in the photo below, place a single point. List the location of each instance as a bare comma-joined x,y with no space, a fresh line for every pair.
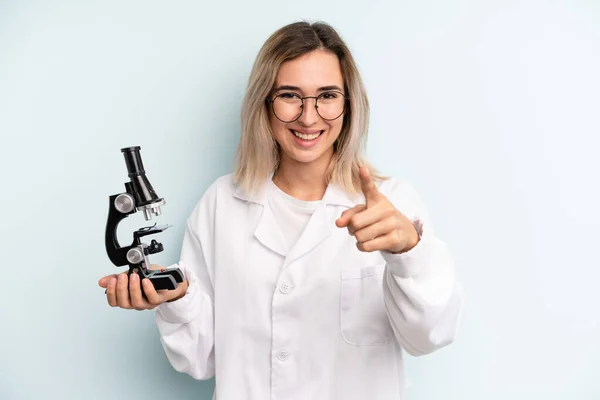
363,319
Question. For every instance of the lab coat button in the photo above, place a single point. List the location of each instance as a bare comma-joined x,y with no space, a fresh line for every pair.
285,287
283,355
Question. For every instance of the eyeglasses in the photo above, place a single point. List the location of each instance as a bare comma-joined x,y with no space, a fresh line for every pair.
288,107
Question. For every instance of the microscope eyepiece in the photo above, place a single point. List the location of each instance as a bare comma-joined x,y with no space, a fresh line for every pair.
146,198
133,161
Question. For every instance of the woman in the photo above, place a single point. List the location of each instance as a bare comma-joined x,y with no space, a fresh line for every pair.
307,273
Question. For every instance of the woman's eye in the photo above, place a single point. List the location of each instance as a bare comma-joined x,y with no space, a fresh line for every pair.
329,95
288,95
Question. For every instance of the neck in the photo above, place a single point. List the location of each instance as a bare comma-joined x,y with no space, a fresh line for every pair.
302,181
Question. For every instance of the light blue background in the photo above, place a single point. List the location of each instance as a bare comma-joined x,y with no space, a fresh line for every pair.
490,108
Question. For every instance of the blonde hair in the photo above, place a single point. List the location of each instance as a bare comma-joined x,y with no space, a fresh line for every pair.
257,154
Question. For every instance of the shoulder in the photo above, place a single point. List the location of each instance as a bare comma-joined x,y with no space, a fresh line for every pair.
403,195
393,186
220,188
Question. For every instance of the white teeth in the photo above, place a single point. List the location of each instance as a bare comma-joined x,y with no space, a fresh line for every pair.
306,136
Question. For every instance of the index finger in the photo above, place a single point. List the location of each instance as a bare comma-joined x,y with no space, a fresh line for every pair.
368,186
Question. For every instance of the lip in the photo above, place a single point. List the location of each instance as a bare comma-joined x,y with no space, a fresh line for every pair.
307,131
307,144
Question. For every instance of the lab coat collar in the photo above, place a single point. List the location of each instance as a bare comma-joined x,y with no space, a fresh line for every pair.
318,229
334,195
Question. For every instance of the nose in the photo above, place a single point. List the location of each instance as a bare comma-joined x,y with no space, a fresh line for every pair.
309,113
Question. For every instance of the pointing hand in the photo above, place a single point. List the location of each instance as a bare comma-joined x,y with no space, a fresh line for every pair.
377,224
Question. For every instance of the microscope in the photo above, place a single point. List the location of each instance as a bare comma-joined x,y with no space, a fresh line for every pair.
139,195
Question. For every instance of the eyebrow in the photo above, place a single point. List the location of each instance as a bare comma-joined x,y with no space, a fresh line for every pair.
321,89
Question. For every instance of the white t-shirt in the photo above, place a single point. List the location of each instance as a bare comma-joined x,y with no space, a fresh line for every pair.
292,214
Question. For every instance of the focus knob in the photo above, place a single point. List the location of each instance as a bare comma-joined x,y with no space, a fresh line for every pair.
124,203
135,256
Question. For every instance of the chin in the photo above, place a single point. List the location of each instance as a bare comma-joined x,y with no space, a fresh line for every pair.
306,158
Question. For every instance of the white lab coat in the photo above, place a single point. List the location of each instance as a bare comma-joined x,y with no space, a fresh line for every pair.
325,321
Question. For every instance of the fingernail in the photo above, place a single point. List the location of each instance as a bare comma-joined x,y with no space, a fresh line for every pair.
134,277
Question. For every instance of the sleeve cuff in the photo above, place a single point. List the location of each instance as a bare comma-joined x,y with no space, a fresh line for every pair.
188,307
408,264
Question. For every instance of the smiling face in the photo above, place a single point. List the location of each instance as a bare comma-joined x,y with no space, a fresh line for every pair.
310,138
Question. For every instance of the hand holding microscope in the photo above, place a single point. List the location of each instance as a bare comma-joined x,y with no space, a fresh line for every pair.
139,195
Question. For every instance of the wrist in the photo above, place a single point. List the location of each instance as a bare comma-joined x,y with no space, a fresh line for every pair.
411,242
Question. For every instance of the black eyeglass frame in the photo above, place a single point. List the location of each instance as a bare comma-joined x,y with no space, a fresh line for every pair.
272,101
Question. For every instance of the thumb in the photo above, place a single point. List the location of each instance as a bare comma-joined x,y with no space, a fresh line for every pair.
368,186
103,282
344,219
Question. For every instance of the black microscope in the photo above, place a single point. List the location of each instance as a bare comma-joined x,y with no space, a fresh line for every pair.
138,196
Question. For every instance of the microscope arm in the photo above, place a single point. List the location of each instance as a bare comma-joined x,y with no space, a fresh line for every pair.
116,253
